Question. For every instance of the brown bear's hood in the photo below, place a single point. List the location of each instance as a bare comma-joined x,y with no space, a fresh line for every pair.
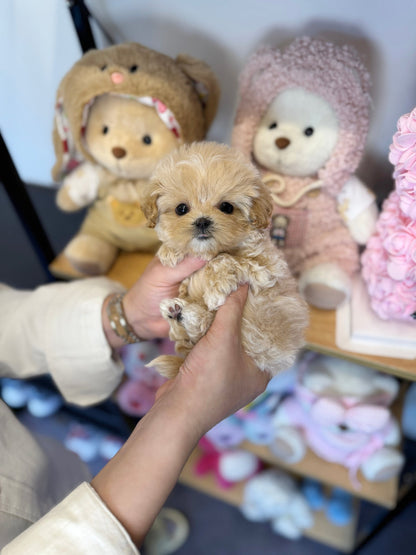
186,86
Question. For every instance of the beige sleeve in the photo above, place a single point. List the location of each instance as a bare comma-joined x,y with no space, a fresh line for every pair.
56,330
80,524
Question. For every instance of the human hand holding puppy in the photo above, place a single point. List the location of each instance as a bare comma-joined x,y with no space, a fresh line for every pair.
216,379
141,303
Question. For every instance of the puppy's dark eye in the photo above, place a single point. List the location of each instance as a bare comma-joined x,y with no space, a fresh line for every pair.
309,131
226,207
133,68
104,67
182,209
147,139
273,125
105,130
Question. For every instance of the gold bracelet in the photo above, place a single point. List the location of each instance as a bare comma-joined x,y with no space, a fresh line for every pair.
118,320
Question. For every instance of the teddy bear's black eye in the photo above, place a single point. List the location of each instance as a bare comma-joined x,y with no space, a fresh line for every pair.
105,130
182,209
147,139
273,125
309,131
133,68
104,67
226,207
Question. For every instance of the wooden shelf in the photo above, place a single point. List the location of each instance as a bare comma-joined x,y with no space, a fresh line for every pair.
337,537
320,337
335,475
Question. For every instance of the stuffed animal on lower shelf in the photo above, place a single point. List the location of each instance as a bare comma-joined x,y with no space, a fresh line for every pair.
119,111
274,496
302,118
228,465
389,260
341,411
137,394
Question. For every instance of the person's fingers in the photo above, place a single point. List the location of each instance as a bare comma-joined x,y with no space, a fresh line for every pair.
229,315
185,268
176,274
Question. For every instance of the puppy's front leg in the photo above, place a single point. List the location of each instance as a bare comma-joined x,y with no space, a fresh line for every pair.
223,274
192,317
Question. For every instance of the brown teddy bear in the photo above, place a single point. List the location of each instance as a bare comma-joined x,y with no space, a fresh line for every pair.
120,110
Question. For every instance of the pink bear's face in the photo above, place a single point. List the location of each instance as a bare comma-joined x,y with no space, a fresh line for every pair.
297,134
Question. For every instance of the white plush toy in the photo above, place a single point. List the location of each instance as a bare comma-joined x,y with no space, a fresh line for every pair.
274,496
341,411
302,118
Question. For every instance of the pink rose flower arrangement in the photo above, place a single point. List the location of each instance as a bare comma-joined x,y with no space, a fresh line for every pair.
389,260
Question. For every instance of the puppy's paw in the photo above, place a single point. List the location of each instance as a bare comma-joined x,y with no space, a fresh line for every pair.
171,309
167,365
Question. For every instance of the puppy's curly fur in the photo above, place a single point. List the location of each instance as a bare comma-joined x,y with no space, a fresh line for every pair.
207,200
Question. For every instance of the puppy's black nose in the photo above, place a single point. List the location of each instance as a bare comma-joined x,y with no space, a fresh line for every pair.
203,224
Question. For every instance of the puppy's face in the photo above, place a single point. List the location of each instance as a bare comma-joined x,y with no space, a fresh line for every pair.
204,199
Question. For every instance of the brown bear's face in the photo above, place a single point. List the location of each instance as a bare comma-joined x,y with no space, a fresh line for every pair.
127,137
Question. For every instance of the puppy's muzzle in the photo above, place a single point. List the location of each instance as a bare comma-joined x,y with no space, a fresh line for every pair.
203,228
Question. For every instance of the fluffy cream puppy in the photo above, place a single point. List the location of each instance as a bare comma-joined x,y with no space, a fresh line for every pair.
206,200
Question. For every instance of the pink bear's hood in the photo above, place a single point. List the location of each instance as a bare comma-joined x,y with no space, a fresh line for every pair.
333,72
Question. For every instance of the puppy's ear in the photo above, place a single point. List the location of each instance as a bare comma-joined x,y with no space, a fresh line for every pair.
148,203
262,207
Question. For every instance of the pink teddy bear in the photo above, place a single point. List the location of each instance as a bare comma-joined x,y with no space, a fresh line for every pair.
302,118
389,261
342,412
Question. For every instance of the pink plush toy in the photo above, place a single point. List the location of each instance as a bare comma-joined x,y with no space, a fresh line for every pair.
302,118
137,393
341,411
389,261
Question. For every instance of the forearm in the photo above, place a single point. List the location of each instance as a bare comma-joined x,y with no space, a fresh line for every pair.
137,481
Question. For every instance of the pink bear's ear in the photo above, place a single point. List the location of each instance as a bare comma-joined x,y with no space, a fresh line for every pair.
255,66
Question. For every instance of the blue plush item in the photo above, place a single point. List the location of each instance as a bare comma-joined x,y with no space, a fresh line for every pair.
314,494
409,413
226,434
340,509
258,429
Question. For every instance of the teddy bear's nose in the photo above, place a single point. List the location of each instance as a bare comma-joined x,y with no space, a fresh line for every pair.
119,152
282,142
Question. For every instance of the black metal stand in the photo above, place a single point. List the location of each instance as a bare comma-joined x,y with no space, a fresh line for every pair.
26,212
81,18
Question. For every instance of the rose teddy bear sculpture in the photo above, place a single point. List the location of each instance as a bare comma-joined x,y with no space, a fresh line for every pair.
341,411
119,110
389,260
302,118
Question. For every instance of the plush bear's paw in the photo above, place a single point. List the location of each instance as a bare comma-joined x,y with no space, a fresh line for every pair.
325,286
288,445
382,465
90,255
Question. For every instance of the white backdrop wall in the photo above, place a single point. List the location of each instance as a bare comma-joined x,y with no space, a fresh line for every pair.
38,45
